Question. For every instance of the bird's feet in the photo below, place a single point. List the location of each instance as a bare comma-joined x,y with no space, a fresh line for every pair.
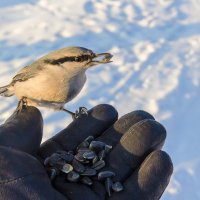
22,104
81,111
78,113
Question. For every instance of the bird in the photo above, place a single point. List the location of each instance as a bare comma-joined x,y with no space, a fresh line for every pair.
54,79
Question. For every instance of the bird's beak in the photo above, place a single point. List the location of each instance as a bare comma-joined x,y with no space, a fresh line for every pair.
101,58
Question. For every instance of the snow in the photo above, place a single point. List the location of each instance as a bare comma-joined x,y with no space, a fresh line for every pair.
156,47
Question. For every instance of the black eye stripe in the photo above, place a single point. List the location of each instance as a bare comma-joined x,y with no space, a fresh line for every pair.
70,59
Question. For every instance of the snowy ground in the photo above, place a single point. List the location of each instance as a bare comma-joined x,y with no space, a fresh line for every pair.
156,47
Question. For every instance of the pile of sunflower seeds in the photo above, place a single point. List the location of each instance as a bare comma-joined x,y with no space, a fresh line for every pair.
83,165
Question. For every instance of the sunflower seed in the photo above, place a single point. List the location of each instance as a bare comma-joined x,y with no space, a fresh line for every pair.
54,158
108,148
95,160
108,186
66,168
105,174
68,157
61,152
52,172
46,161
102,154
117,187
78,167
82,150
89,139
83,144
59,164
89,155
72,152
97,146
89,172
83,164
86,180
80,158
73,176
99,165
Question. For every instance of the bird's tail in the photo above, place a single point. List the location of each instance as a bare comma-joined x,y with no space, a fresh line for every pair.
6,91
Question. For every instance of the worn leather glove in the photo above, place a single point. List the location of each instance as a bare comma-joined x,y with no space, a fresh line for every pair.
136,157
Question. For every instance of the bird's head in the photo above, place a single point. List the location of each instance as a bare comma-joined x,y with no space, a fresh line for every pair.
76,58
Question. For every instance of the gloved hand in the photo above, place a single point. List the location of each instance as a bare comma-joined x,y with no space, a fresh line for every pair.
136,157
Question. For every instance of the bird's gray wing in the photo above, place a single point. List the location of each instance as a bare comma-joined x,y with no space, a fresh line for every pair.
27,73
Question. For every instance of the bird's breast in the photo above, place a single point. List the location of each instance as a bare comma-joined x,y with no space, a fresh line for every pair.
75,85
51,85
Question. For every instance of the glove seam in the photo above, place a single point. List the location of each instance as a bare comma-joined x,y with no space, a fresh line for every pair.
18,179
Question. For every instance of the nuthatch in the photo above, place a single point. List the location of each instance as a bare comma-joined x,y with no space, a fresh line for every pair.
54,79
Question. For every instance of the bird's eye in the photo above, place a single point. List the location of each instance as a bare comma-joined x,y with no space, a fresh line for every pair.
86,57
78,59
82,58
92,55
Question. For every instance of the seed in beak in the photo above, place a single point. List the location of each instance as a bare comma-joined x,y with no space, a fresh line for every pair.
102,58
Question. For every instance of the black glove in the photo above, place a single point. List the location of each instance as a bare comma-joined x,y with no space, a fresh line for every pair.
136,157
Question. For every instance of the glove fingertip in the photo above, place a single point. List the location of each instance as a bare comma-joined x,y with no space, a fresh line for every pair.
105,112
25,129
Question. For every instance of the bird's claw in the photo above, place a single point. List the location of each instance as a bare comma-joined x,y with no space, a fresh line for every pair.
80,112
22,104
83,110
